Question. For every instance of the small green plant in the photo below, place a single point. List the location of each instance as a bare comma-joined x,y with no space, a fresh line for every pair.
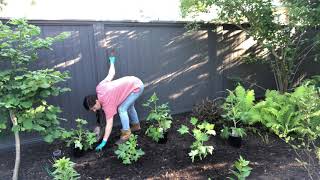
64,170
242,169
128,151
160,117
80,138
237,109
201,133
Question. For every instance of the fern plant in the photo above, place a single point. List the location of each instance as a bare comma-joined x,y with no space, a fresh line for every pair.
201,133
160,118
294,117
64,170
128,151
237,109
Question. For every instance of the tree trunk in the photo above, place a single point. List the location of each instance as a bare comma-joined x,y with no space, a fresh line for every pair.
17,140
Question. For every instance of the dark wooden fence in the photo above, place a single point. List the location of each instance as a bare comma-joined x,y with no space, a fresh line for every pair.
181,67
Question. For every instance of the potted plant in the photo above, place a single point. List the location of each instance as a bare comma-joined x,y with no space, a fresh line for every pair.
160,118
79,139
237,108
234,135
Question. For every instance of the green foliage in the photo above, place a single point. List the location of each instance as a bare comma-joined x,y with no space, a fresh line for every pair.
235,132
64,170
237,109
313,81
128,151
80,138
281,30
160,116
23,91
294,117
201,133
242,169
225,132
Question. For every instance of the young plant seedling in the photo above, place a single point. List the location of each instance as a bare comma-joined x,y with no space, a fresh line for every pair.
242,169
159,116
64,170
128,151
80,138
201,133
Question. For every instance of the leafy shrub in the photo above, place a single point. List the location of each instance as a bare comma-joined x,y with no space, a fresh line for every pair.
23,91
160,117
294,117
242,169
80,138
201,133
208,110
128,151
64,170
237,110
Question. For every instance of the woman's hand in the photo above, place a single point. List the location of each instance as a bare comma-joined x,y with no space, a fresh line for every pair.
101,145
112,59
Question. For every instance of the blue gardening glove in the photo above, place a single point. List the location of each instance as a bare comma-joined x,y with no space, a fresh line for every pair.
112,59
101,145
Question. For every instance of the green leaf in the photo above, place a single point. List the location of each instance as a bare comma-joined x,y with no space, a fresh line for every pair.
48,138
193,121
211,132
183,129
27,123
26,104
45,93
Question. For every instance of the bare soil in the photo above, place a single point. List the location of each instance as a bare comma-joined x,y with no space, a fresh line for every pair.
272,160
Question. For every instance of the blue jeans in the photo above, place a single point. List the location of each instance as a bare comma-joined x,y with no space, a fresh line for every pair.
127,109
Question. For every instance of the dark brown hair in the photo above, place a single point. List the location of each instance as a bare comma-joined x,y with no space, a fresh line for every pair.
89,101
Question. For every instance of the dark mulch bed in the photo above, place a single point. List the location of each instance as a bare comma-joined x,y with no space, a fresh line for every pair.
274,160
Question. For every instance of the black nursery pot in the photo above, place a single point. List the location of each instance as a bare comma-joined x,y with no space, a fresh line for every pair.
164,139
235,141
77,152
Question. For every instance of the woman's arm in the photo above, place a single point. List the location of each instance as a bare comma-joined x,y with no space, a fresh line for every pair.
111,73
106,134
108,129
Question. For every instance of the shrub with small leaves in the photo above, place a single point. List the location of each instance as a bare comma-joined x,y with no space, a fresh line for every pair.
242,169
80,138
160,118
208,110
201,133
128,151
64,170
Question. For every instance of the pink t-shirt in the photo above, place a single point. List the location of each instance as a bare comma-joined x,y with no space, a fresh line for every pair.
111,94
